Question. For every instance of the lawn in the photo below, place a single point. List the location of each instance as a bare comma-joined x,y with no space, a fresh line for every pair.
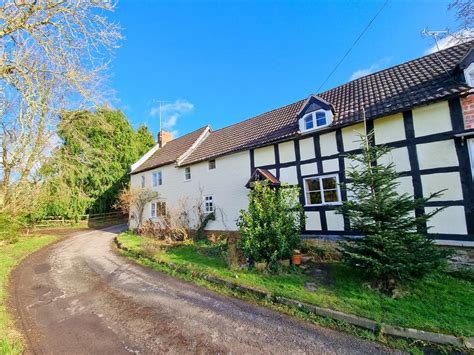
439,302
10,256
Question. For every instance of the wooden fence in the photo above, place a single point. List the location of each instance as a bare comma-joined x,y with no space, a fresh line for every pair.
94,220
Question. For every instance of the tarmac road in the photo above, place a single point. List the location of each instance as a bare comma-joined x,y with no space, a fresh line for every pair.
79,296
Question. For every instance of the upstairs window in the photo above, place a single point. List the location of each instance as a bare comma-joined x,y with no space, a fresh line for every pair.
315,120
308,121
208,204
469,75
212,164
157,179
143,181
187,173
322,190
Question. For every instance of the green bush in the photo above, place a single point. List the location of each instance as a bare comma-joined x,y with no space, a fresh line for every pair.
270,227
9,228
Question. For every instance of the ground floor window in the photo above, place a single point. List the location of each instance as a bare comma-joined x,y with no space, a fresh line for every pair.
322,190
158,209
208,204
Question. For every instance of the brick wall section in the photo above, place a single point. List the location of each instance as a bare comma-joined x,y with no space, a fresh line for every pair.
468,111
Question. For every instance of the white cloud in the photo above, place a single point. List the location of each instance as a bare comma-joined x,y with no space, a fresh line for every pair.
373,68
171,113
363,72
451,40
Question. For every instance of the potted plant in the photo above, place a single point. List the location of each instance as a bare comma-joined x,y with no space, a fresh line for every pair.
296,258
261,265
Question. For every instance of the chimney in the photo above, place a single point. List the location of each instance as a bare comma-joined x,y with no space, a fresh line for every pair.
164,137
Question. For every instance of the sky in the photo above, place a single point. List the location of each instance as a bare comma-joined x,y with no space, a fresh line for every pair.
220,62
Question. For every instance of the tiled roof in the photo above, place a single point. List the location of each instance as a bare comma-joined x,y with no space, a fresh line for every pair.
171,151
420,81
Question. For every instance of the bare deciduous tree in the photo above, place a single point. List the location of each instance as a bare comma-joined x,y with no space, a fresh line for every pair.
132,201
53,55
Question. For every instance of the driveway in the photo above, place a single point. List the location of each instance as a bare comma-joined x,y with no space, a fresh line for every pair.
79,296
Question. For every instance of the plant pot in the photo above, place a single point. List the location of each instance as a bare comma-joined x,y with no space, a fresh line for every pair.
284,262
261,266
296,259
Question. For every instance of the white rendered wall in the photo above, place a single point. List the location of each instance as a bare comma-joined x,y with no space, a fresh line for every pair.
226,184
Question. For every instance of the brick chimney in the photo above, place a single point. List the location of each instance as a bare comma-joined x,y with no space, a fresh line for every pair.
164,137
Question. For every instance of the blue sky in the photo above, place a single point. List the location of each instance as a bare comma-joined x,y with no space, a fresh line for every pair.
220,62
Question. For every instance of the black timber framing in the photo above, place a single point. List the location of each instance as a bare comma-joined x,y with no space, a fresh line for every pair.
465,172
415,172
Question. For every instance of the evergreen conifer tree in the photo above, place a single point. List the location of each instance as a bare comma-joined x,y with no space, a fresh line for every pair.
394,248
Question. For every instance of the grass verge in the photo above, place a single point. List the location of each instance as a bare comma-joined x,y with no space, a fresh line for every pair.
439,303
10,256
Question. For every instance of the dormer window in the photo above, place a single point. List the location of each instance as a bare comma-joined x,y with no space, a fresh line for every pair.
315,120
315,113
469,75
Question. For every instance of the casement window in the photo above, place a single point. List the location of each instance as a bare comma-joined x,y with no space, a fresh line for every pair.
316,119
208,204
157,179
469,75
158,209
143,181
212,164
470,145
322,190
161,208
187,173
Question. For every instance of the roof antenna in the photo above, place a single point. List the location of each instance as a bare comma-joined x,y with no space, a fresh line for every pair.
160,102
435,34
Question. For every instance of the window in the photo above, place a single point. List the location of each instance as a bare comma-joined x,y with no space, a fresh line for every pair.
143,181
212,164
316,119
322,190
320,118
469,75
308,122
161,208
157,178
208,204
187,173
158,209
470,144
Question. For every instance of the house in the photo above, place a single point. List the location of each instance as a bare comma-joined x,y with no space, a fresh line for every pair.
424,109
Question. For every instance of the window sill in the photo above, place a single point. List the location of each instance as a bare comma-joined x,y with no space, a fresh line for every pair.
324,204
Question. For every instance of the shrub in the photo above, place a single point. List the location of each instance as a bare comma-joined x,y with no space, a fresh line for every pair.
270,227
9,228
321,251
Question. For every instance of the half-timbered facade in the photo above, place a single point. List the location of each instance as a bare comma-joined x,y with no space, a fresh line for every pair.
424,109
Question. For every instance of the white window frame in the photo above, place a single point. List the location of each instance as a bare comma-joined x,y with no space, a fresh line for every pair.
186,170
312,114
209,165
470,147
467,71
143,181
321,177
153,210
209,199
157,178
